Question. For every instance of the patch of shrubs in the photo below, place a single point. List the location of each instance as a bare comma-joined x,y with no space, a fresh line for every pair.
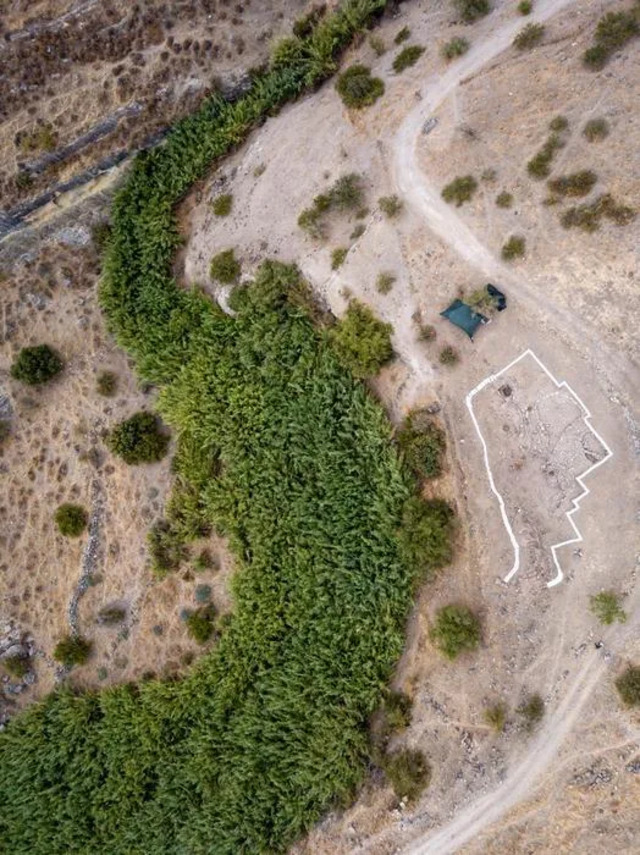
100,235
606,607
338,256
402,36
559,123
138,439
201,623
472,10
390,206
628,686
167,548
596,130
425,540
384,282
377,44
408,772
504,200
347,193
540,164
532,711
72,650
221,205
496,716
422,444
357,88
71,519
407,57
456,629
588,216
513,248
460,190
111,615
525,7
36,365
362,341
529,37
614,31
427,332
449,356
107,384
455,47
576,184
17,666
225,267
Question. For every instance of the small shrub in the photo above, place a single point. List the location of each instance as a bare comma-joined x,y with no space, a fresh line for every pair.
460,190
589,216
203,593
513,248
377,44
17,666
422,444
606,607
107,384
303,27
596,130
577,184
225,267
532,710
456,629
402,36
357,88
525,7
346,193
201,623
397,710
489,175
138,439
384,282
390,206
427,332
204,561
71,520
5,430
221,206
529,37
36,365
167,549
408,772
358,231
455,47
496,716
101,235
362,341
472,10
504,200
338,256
72,650
407,57
628,686
111,615
449,356
427,530
559,123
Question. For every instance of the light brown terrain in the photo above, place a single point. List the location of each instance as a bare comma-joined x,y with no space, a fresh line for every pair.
572,784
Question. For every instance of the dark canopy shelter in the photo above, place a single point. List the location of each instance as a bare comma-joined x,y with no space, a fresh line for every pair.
464,316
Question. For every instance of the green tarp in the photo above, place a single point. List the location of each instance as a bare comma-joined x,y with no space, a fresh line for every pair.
464,316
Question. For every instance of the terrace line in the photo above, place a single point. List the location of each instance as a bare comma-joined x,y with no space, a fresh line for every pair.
575,502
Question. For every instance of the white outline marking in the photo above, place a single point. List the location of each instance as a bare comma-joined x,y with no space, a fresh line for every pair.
579,478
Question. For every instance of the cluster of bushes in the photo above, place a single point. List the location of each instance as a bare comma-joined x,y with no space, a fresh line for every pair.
361,341
614,31
138,439
36,365
290,458
531,711
406,58
357,88
589,216
540,164
576,184
422,443
460,190
346,194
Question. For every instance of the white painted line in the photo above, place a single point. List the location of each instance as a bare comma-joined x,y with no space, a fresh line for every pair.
575,502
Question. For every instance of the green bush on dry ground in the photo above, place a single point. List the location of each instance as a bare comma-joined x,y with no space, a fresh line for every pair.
606,607
221,205
138,439
576,184
390,206
72,650
407,57
529,37
513,248
36,365
357,88
455,630
338,256
460,190
596,130
504,199
346,194
628,686
525,7
408,772
614,31
384,282
472,10
455,47
496,716
362,342
225,267
531,710
107,383
71,519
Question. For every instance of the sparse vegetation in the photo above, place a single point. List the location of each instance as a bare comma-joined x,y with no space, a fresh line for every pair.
525,7
513,248
36,365
460,190
496,716
422,444
540,164
596,130
167,549
357,232
138,439
390,206
16,666
362,342
225,267
397,710
449,356
204,561
606,607
614,31
111,615
531,710
504,200
347,193
43,137
427,332
628,686
589,216
456,629
559,123
201,623
402,36
529,37
407,57
377,44
221,205
455,47
358,88
107,384
338,256
72,650
408,772
577,184
472,10
71,520
385,282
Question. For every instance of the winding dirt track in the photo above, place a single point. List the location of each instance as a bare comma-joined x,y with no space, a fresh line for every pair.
442,219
